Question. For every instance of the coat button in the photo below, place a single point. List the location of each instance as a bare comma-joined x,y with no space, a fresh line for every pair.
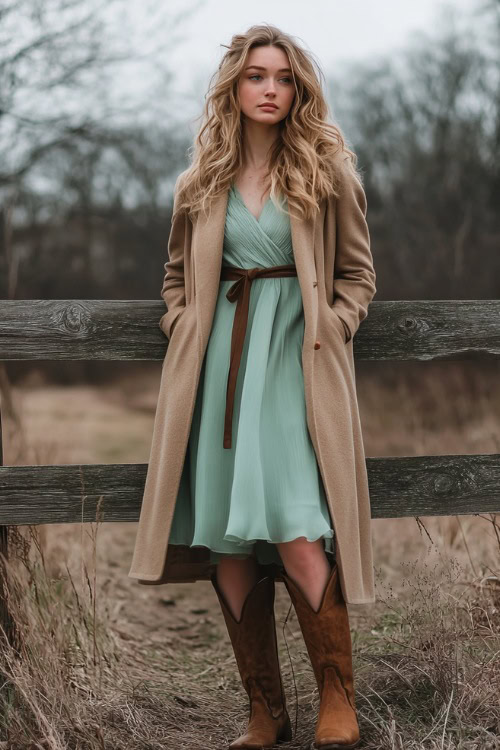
317,345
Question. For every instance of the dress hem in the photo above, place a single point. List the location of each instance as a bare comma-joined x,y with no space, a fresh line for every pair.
251,542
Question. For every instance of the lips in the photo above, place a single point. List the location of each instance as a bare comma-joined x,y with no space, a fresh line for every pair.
269,105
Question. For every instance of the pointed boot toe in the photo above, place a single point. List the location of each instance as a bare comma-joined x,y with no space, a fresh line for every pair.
259,731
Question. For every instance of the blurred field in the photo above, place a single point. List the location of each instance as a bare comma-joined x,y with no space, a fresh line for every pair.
406,409
164,658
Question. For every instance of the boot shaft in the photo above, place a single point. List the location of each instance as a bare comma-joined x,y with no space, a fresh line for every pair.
255,645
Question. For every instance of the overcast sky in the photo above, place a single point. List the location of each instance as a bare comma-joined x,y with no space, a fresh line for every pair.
337,33
334,31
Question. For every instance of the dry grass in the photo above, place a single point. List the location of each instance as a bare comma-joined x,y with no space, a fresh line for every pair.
104,663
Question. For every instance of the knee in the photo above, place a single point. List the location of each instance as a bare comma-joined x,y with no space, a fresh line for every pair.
299,555
237,563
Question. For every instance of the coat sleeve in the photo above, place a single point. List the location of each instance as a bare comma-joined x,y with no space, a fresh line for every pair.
173,289
354,274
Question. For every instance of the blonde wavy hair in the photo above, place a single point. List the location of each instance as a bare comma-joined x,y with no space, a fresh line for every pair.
305,161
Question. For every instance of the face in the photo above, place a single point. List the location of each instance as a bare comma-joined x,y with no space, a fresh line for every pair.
266,78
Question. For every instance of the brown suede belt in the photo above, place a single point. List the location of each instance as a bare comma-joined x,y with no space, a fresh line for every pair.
240,293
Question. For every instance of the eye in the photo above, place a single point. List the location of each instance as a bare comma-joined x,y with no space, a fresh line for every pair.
257,75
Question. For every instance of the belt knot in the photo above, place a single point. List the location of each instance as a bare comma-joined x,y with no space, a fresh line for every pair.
243,283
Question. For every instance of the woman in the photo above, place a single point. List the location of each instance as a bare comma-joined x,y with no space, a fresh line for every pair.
257,455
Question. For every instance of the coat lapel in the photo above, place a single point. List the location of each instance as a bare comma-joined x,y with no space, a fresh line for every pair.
207,250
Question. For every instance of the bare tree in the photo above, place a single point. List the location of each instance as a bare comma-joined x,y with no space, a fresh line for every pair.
80,84
426,125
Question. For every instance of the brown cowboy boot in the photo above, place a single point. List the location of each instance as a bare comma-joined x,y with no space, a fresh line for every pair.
328,641
255,647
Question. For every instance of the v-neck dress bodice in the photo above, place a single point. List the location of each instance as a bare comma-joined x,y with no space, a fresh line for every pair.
267,487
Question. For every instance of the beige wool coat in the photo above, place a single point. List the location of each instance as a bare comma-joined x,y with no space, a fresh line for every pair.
337,281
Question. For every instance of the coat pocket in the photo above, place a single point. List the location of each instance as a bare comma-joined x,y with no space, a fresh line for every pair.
339,325
168,321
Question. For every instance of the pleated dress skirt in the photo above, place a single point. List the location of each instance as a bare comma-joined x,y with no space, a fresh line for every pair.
267,487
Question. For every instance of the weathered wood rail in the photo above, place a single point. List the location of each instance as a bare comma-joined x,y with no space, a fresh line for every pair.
421,330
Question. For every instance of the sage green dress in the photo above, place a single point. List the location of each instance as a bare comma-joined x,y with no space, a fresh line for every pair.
267,487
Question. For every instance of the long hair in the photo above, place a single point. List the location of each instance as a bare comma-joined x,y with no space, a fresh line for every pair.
304,161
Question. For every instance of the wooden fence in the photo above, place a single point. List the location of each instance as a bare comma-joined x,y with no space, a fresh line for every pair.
419,330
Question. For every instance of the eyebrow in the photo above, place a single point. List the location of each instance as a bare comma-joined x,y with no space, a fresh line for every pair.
259,67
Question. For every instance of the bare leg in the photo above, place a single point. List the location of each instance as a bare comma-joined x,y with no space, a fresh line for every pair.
307,565
235,577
